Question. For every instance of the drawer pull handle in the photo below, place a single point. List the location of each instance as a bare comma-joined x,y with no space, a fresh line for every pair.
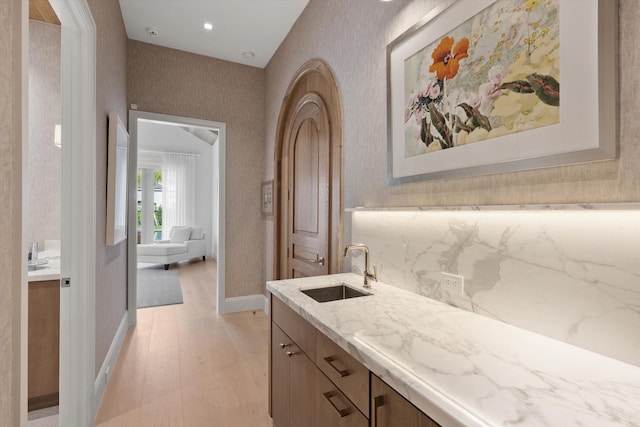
283,345
342,372
291,353
378,401
331,394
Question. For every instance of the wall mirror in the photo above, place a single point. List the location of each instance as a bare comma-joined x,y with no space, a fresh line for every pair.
117,161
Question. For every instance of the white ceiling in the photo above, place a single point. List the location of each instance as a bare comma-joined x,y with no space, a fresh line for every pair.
239,26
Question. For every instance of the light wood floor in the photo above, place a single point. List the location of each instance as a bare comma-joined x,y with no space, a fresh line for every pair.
185,365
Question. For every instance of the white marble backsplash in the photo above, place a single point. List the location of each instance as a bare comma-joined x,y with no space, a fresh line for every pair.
570,274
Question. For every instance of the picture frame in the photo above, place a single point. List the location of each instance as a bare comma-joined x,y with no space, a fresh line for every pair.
572,115
117,166
267,199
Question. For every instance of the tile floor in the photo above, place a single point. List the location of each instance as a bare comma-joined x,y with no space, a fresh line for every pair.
185,365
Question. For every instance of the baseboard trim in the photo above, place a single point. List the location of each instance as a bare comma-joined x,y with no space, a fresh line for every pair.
245,303
109,363
41,402
267,306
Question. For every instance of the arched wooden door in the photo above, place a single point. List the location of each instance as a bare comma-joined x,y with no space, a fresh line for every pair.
307,187
308,200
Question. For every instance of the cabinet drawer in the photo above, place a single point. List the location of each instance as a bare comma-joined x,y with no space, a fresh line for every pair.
292,324
390,409
351,376
334,409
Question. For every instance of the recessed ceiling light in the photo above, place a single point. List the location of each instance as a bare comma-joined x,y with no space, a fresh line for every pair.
208,26
248,55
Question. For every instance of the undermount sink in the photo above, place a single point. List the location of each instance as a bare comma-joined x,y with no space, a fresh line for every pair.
333,293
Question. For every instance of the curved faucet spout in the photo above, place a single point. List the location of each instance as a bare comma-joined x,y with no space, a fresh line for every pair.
368,276
361,246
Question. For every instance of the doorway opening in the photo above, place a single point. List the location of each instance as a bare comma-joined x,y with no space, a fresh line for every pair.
168,184
77,248
42,218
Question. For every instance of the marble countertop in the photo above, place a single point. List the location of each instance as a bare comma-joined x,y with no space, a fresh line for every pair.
464,369
49,271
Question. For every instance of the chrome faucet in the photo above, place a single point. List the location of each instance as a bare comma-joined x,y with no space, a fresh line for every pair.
368,276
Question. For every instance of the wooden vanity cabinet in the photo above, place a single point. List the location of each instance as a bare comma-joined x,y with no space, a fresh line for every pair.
315,383
390,409
300,393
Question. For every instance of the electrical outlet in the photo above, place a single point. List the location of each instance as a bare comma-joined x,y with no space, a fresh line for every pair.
452,283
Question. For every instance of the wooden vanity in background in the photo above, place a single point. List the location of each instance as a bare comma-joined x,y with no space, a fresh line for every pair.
44,343
44,330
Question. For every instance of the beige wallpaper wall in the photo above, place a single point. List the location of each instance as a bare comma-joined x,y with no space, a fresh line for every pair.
351,36
43,216
111,95
168,81
10,210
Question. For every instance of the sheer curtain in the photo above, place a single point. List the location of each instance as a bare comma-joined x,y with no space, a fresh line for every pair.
120,220
178,190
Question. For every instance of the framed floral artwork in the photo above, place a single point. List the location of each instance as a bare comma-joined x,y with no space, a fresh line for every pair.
489,86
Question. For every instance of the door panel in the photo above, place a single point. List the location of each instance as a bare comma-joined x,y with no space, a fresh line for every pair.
302,389
304,260
308,190
305,185
280,405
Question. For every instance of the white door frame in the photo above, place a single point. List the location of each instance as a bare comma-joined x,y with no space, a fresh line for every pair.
134,115
78,237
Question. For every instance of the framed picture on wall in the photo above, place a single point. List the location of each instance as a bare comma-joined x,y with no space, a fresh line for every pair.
488,86
267,199
117,163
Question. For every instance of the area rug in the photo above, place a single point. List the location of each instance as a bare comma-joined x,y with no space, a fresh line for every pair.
157,286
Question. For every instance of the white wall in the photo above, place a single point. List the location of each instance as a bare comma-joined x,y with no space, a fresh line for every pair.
43,217
168,138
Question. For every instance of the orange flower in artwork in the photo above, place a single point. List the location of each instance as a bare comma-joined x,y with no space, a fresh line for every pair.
446,60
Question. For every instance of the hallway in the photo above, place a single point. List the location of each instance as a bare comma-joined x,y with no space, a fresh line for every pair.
185,365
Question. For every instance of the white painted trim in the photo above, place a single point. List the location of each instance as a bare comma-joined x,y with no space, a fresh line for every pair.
134,115
222,230
78,238
132,251
245,303
110,360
